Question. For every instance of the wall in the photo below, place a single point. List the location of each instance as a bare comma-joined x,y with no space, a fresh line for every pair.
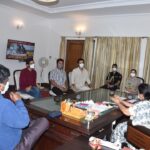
36,29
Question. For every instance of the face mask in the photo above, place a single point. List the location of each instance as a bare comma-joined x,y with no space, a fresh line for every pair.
114,69
81,65
132,74
32,66
5,88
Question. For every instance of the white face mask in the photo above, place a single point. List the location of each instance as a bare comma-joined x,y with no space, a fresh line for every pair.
81,65
32,66
114,69
5,88
132,74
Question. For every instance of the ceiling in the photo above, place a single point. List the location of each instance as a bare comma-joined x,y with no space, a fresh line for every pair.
65,8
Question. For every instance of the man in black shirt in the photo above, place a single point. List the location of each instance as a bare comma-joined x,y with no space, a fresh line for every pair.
113,79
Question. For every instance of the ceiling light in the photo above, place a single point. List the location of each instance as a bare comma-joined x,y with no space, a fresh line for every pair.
46,2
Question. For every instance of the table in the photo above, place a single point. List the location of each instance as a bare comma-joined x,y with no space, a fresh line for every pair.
64,129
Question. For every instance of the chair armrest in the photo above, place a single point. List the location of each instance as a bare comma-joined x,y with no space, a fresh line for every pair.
143,129
139,136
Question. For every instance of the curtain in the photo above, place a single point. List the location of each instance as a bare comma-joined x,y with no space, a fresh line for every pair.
62,50
124,51
147,63
88,55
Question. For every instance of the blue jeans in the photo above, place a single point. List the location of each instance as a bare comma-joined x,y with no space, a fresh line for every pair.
35,92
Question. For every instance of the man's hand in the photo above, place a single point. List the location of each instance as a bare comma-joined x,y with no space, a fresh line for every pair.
14,96
28,88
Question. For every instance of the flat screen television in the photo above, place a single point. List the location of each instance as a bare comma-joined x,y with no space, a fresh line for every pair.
19,50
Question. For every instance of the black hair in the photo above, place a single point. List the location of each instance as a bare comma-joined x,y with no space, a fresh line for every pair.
80,59
4,73
60,59
133,70
145,90
28,60
115,65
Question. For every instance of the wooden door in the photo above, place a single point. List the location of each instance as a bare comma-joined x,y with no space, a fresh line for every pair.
73,53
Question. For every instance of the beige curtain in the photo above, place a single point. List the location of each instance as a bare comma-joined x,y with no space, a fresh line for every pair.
62,50
147,63
88,54
125,51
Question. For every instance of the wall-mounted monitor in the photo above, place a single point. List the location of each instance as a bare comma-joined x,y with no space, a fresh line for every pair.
19,50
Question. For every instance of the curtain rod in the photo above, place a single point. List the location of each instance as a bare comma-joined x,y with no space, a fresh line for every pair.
103,36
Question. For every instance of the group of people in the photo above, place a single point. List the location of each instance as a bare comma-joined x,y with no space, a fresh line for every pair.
78,78
113,81
14,115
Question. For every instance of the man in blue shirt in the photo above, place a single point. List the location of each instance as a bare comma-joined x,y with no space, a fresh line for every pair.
13,114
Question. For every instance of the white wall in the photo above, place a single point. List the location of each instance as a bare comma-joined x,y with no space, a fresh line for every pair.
121,25
36,29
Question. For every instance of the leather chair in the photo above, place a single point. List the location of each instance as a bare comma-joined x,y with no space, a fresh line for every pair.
32,133
16,76
139,136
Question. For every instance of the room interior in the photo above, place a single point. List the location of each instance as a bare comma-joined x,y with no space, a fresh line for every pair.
45,24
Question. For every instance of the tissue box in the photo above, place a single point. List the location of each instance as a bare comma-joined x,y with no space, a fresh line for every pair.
69,110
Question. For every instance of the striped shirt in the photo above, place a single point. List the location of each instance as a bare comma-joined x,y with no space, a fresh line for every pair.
59,76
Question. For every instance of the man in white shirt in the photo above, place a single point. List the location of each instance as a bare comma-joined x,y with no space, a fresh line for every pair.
80,78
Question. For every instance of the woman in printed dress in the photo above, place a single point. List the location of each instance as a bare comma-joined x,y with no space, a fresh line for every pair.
139,113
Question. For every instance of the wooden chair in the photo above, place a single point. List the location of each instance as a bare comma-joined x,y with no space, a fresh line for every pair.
139,136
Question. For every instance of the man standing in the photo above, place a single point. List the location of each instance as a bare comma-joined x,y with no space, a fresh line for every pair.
80,78
113,79
13,114
58,78
27,80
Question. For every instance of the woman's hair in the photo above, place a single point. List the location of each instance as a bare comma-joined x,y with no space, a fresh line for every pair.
145,90
4,73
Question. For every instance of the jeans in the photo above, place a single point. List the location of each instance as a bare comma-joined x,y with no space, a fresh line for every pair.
35,92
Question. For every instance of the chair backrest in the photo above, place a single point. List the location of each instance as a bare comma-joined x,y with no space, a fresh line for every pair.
69,79
49,80
16,75
141,79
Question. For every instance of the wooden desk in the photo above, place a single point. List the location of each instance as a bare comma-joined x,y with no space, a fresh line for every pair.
63,129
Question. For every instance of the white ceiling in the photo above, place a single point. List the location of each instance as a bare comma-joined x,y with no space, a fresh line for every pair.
66,8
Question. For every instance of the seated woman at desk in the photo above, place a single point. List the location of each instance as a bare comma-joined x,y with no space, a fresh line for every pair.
139,113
